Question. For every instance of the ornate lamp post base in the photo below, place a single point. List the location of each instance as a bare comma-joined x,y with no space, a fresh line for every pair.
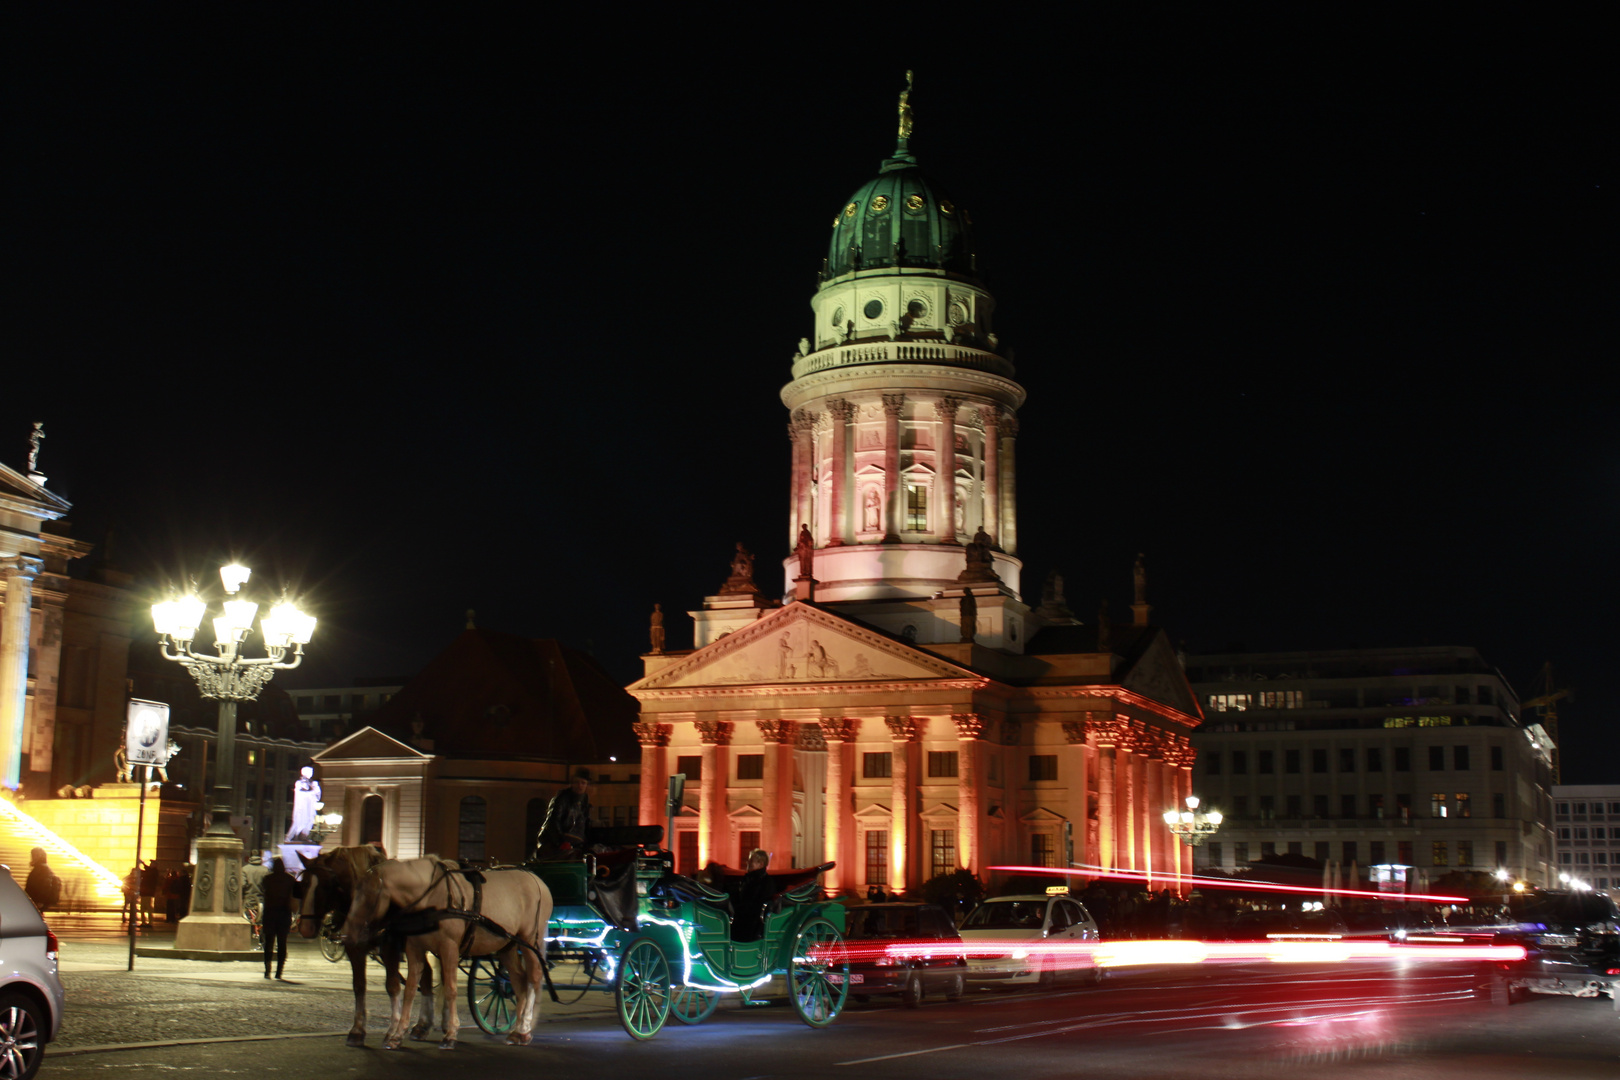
215,924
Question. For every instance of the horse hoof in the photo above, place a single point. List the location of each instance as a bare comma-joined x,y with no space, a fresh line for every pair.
392,1044
518,1039
420,1031
448,1044
355,1040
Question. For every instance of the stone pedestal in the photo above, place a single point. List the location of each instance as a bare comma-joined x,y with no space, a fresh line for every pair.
215,923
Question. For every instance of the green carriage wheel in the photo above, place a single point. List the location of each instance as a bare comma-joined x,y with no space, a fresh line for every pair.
642,992
490,997
818,974
692,1006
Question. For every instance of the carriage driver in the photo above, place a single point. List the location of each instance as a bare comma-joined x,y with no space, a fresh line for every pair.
567,819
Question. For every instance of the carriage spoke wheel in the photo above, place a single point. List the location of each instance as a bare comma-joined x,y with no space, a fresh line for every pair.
692,1006
642,993
491,998
331,944
818,978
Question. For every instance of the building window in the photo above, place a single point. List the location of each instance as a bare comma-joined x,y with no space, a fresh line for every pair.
1214,857
470,827
1296,847
1440,855
1403,759
1268,849
1403,852
877,856
1437,805
1403,808
305,704
1321,854
1281,699
916,508
1229,703
1563,809
1293,811
747,841
942,763
1375,852
1267,762
750,766
1240,762
1582,858
1212,763
1042,767
1347,806
1459,758
877,766
1349,850
1501,853
1465,853
1041,850
1496,759
371,819
1463,806
1291,761
1347,759
1319,806
686,852
1319,760
1240,806
1375,759
691,765
941,852
1437,758
1268,807
1580,834
1375,806
1240,852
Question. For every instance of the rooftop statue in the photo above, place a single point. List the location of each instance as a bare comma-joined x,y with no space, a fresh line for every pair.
905,109
741,581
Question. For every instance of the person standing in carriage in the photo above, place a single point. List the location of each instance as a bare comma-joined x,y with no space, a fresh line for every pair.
568,819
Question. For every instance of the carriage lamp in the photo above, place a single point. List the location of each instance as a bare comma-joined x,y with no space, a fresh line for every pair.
1193,826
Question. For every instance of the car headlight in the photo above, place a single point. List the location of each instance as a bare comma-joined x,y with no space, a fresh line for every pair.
1020,954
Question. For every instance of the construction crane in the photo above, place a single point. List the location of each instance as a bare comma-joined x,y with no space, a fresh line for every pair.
1547,700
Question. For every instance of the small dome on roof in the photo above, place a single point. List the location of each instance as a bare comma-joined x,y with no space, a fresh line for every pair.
900,218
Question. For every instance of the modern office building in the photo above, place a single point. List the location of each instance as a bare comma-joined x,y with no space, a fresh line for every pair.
1404,758
1586,821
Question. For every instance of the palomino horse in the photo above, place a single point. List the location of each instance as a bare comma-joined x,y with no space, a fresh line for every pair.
333,877
440,910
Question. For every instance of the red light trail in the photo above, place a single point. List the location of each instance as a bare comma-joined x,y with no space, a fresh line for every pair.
1227,883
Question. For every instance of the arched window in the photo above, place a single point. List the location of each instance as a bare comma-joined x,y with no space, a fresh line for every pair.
371,820
533,818
470,831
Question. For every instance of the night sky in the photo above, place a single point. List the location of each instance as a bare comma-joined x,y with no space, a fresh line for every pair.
427,314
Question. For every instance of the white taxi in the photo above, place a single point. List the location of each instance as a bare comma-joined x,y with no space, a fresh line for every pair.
1035,920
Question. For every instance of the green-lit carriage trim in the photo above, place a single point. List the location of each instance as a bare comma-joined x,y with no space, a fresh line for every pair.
680,959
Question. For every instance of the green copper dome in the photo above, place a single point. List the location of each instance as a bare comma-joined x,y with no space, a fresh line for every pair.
900,218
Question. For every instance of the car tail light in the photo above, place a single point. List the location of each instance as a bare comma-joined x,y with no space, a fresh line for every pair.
1612,971
52,946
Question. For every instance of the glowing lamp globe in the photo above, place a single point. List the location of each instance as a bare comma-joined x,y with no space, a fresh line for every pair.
234,576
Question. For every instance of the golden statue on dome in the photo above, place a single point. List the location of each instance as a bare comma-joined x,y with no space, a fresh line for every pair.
905,109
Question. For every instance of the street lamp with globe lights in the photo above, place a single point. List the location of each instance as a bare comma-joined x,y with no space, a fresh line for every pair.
216,923
1193,826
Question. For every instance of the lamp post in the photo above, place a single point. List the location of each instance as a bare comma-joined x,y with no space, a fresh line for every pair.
215,923
1191,825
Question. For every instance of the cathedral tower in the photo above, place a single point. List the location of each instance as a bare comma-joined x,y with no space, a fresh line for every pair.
903,406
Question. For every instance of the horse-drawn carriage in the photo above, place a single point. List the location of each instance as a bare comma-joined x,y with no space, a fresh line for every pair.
665,945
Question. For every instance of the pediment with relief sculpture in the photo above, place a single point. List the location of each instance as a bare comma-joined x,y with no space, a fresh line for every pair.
800,644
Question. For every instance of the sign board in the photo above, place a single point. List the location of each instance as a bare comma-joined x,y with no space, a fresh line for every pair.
146,733
677,791
1057,890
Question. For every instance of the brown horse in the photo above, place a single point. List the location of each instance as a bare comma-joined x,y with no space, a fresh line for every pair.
512,907
330,887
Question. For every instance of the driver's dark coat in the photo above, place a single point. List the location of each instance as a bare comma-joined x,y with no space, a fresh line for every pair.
566,819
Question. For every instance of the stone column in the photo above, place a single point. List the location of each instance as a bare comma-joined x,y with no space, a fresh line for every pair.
716,736
894,490
795,480
804,471
1182,772
903,730
18,572
1076,765
945,468
969,789
1008,537
1153,806
776,794
838,528
1125,777
47,685
654,739
992,473
1101,735
840,820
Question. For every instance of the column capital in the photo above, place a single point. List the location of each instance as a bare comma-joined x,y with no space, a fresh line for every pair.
840,729
714,732
810,738
990,417
777,732
1180,753
803,422
1009,426
1108,732
945,408
894,404
21,566
840,409
902,729
969,726
1075,732
650,734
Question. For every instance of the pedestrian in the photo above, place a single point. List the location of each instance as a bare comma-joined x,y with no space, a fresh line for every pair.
278,887
44,888
150,879
132,895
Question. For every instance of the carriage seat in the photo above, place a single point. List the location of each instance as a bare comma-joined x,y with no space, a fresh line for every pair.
687,890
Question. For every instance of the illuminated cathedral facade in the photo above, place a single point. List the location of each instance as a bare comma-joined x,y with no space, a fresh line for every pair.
896,706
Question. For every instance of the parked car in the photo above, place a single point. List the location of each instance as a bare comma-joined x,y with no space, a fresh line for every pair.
1034,919
937,968
1571,941
30,988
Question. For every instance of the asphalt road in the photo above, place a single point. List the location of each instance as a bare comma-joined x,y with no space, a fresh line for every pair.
1251,1021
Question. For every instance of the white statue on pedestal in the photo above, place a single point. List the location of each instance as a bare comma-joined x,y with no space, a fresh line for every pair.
306,804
